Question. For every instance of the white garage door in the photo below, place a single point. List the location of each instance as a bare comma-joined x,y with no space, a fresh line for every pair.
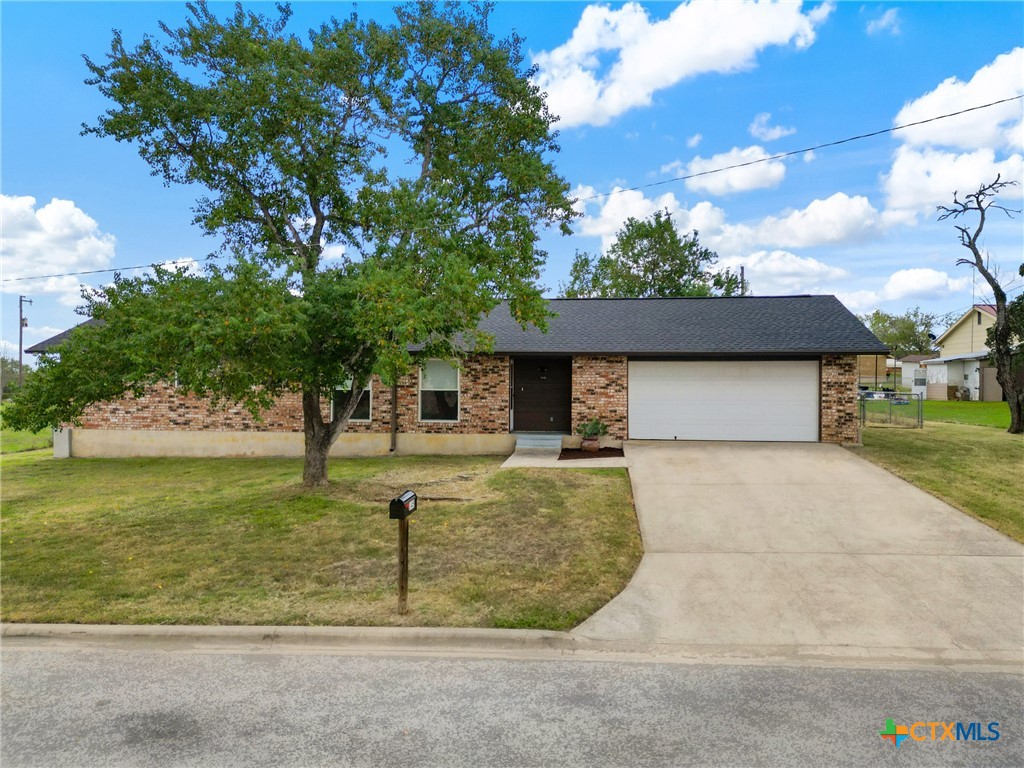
773,400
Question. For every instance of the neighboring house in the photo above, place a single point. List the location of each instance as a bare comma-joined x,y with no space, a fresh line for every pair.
743,368
873,370
961,370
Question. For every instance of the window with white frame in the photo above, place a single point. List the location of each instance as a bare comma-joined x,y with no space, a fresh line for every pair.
439,391
362,411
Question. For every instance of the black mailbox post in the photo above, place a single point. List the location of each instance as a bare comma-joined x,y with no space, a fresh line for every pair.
400,509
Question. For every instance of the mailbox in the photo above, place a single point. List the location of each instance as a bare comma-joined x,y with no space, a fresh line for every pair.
403,506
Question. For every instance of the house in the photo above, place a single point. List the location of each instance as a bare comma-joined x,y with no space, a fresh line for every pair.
961,370
743,368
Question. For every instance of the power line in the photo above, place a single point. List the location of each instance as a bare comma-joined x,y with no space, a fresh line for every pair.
798,151
628,189
170,263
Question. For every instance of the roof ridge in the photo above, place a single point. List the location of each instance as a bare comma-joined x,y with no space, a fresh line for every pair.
689,298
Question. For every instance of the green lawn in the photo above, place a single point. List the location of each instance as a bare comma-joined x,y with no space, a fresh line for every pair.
983,414
14,442
976,469
238,541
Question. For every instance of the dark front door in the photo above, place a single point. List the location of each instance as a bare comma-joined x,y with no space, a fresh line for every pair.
542,394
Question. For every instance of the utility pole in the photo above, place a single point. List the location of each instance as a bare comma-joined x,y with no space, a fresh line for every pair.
22,322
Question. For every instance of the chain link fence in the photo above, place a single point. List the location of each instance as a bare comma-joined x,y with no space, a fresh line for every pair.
891,409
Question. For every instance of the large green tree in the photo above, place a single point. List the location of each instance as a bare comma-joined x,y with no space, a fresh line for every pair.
910,333
1003,338
414,155
650,258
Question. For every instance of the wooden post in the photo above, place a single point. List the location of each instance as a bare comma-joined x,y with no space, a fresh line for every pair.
403,566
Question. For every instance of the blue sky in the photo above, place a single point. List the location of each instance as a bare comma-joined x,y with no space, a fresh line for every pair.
646,93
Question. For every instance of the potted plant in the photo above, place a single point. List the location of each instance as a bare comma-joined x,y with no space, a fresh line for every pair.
592,431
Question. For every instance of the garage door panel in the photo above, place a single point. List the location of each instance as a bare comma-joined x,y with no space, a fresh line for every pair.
731,400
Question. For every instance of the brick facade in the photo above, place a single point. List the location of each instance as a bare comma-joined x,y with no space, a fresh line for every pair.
483,408
599,389
840,422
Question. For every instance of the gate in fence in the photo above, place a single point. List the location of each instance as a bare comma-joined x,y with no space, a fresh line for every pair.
891,409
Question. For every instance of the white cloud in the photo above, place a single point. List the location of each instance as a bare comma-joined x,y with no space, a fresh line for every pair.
333,252
56,238
809,156
698,37
922,284
675,168
996,127
887,22
9,348
836,219
187,266
907,284
764,174
772,273
620,206
694,140
921,179
760,129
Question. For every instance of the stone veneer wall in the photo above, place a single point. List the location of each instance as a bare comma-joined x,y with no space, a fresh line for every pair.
483,408
840,422
599,389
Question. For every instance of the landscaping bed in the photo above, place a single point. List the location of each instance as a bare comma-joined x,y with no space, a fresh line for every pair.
975,468
239,541
579,453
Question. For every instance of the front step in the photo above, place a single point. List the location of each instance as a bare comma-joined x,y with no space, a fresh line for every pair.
552,441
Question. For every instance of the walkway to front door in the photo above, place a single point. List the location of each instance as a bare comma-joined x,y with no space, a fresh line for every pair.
541,394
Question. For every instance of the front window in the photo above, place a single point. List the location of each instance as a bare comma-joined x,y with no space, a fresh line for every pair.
362,411
439,391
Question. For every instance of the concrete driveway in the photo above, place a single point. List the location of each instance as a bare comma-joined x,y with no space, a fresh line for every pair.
806,550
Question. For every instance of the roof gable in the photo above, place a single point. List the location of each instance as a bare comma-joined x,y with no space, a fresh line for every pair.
988,309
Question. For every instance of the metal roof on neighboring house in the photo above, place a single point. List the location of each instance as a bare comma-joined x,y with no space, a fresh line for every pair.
740,326
955,358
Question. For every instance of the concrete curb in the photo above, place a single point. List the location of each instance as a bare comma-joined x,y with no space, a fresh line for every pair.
432,638
512,643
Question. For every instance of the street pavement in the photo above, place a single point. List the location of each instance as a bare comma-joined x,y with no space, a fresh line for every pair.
81,706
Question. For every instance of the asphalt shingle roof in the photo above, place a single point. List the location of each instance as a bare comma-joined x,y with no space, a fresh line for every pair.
46,344
736,326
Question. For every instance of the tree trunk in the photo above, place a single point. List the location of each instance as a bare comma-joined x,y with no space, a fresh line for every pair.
1016,414
1013,388
317,438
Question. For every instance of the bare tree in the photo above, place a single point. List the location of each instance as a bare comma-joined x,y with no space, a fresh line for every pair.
1009,371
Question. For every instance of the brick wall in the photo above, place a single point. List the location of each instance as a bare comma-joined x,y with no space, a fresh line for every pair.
840,422
599,390
483,407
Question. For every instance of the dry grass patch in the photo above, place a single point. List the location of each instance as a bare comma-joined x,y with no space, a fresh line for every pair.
240,542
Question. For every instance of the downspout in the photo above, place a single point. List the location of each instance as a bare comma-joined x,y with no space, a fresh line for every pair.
394,416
